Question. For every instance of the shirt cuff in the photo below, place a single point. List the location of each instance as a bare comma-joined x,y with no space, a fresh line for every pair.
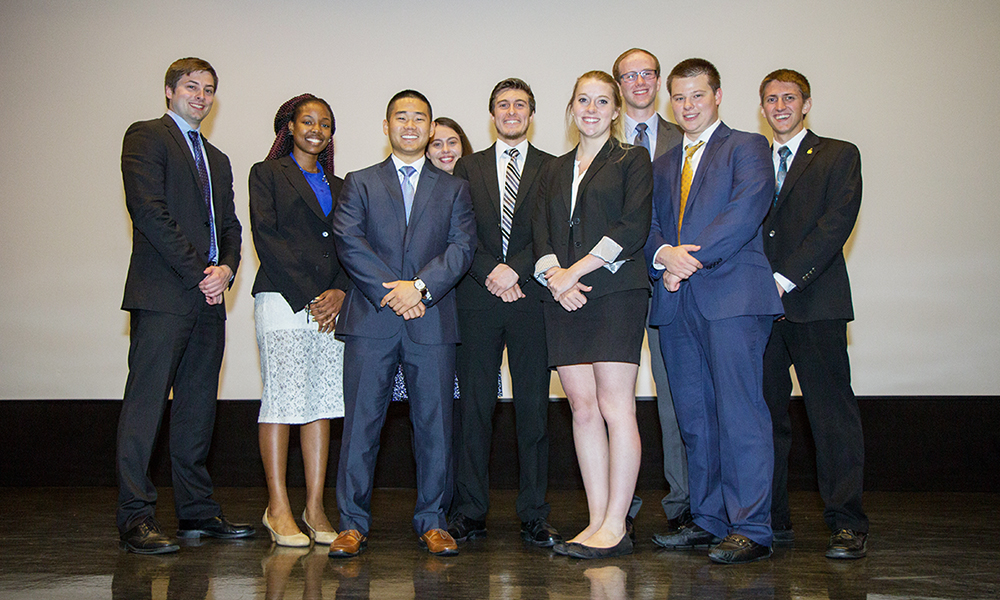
542,265
784,282
657,265
608,250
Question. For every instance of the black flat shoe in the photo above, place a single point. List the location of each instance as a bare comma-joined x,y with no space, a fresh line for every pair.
145,538
623,547
539,533
215,527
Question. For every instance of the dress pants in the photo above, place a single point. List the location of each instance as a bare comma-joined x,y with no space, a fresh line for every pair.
675,468
484,334
715,370
369,370
818,350
183,352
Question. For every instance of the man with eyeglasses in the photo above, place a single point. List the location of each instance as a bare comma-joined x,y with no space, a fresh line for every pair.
638,73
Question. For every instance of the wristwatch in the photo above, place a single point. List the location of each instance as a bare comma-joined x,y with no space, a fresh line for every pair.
422,288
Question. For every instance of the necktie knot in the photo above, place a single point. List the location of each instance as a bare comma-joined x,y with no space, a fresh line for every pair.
784,152
194,136
513,153
690,149
641,128
407,171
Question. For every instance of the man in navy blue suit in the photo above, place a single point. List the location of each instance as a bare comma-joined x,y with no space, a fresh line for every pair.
714,301
406,234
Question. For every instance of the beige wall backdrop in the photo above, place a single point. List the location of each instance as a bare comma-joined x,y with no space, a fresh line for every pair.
913,83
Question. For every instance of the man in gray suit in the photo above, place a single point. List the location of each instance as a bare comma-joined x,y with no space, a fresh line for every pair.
637,71
406,234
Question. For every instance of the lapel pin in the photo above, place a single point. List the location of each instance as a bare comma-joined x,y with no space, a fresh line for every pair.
809,151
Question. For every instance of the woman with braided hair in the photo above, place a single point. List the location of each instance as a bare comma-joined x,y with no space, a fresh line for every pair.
298,292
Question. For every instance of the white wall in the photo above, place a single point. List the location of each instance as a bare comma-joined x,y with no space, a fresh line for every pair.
913,84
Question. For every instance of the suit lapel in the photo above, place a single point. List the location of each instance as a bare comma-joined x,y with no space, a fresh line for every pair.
387,173
528,174
807,150
294,175
178,137
490,178
595,166
713,145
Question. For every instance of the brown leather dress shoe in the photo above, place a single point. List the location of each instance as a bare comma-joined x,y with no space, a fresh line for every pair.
439,543
348,543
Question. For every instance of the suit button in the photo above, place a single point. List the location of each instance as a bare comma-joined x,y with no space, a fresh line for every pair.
771,234
576,221
326,234
326,255
578,244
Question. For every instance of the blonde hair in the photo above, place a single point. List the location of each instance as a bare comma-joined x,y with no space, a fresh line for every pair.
617,126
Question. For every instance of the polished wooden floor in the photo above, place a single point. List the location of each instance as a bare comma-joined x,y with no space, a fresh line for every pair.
60,543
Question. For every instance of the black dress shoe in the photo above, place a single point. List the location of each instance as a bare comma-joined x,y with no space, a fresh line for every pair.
561,548
463,528
688,536
784,537
630,528
216,527
622,548
539,533
737,549
145,538
846,543
685,518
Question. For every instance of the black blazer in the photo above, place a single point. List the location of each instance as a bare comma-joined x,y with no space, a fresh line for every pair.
615,199
480,170
292,236
170,229
805,231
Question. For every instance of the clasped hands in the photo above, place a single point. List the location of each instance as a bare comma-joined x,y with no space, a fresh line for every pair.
216,281
502,282
565,286
325,308
679,264
403,299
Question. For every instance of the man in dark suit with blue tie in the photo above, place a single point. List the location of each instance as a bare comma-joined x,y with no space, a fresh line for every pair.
816,203
406,234
185,251
714,301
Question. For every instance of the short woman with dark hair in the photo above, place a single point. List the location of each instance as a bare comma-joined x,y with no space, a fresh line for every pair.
297,295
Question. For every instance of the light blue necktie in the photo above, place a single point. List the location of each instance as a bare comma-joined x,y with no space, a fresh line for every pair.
206,192
408,189
784,153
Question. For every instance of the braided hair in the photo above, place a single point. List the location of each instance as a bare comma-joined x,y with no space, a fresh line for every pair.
283,141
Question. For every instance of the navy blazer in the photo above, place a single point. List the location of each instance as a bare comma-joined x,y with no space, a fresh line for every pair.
292,236
806,230
170,227
613,200
480,170
375,245
730,194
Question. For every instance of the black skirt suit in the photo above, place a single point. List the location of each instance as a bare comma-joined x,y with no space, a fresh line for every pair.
614,200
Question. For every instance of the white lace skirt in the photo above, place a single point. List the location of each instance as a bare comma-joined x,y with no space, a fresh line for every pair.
301,368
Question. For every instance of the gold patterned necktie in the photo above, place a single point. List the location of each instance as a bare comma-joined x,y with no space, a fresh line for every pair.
687,176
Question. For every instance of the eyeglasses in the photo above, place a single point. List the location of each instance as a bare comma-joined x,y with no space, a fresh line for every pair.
646,75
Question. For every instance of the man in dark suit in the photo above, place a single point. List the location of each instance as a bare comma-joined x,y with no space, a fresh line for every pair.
499,305
405,233
637,72
185,251
714,301
816,203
